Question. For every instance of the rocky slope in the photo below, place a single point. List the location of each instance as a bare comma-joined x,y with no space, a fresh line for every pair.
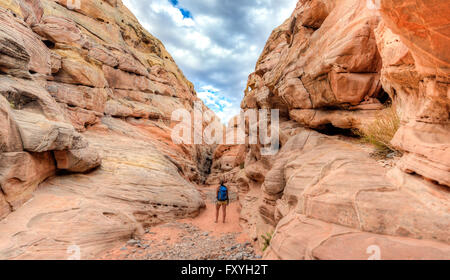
86,96
330,68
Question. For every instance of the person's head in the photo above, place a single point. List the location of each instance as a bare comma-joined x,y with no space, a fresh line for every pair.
222,182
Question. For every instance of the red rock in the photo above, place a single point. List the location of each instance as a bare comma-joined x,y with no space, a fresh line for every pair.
144,178
10,140
129,63
353,88
415,72
32,11
21,173
300,238
78,160
119,79
79,72
81,119
103,55
31,96
337,118
41,135
39,54
14,57
59,30
422,26
325,55
93,99
326,197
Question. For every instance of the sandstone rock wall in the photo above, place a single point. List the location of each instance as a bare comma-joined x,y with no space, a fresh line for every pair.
413,42
80,88
228,158
321,61
331,67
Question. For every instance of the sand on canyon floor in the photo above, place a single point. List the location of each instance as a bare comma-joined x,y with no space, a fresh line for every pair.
193,238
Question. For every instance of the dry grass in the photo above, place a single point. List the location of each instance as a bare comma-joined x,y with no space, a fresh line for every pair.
382,130
12,105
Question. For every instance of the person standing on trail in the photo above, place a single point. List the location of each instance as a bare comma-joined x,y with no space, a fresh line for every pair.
222,200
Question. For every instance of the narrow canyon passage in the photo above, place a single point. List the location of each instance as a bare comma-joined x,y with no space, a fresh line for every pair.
198,238
90,161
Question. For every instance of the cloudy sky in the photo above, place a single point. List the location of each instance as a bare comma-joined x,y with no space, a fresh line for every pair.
216,43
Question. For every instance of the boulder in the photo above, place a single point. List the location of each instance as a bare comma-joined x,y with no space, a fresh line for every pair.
77,160
41,135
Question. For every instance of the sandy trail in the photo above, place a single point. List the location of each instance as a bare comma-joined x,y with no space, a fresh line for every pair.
193,238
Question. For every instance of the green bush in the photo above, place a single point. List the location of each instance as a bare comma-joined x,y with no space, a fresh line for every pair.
266,240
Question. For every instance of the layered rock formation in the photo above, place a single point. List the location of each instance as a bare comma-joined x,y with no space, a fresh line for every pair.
228,158
86,97
331,67
413,42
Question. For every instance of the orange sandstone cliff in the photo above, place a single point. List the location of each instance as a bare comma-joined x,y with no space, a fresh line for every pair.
87,159
86,96
331,69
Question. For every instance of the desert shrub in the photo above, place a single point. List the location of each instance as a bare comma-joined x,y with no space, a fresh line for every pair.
266,240
381,131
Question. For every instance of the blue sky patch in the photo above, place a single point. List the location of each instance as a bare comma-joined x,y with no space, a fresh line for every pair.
186,13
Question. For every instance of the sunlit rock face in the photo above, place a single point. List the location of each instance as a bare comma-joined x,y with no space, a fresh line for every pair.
322,60
330,68
413,41
86,98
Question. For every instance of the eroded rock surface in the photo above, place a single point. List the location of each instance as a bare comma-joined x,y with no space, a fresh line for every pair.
86,97
331,67
323,57
412,41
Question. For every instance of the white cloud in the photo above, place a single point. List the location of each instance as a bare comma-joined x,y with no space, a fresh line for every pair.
216,46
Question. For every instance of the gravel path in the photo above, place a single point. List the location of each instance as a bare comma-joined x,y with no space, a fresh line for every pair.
192,239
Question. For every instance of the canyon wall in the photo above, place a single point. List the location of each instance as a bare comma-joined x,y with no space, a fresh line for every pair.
86,97
331,69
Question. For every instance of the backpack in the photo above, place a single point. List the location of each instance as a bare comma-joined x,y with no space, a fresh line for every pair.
223,194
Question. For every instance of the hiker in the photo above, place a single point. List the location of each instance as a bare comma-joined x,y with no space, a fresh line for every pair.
222,200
